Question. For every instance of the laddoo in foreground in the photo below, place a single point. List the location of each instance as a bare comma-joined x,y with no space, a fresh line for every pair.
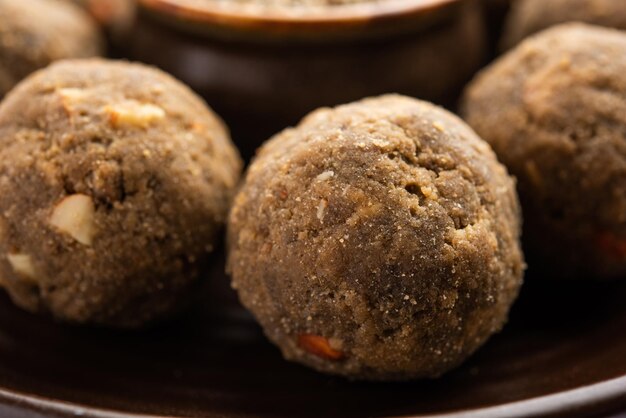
377,240
554,110
528,17
34,33
115,180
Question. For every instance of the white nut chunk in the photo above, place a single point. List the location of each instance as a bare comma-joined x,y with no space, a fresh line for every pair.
74,215
131,113
72,94
22,265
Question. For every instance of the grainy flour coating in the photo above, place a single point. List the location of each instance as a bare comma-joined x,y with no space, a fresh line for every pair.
554,109
377,240
115,179
34,33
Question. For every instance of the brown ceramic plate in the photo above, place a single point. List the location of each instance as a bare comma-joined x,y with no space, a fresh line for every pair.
563,354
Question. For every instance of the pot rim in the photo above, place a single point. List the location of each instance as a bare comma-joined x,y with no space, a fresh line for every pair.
310,21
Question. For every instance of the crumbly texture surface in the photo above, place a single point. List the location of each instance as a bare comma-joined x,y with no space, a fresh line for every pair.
377,240
115,179
530,16
554,110
34,33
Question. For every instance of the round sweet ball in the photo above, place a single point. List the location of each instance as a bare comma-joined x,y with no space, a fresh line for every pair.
554,110
530,16
115,180
377,240
34,33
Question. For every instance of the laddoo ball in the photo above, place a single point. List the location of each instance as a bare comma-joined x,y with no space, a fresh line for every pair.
115,180
34,33
377,240
554,110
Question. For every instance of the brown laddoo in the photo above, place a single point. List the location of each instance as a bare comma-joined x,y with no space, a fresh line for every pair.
377,240
115,180
554,110
531,16
34,33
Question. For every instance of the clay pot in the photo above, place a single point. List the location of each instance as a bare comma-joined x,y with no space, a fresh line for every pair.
263,70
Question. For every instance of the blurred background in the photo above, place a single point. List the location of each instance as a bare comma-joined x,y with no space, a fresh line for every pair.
262,74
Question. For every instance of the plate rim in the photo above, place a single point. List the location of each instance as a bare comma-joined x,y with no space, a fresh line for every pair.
559,402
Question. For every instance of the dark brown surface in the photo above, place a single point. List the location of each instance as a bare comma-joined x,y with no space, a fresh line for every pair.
217,364
495,12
